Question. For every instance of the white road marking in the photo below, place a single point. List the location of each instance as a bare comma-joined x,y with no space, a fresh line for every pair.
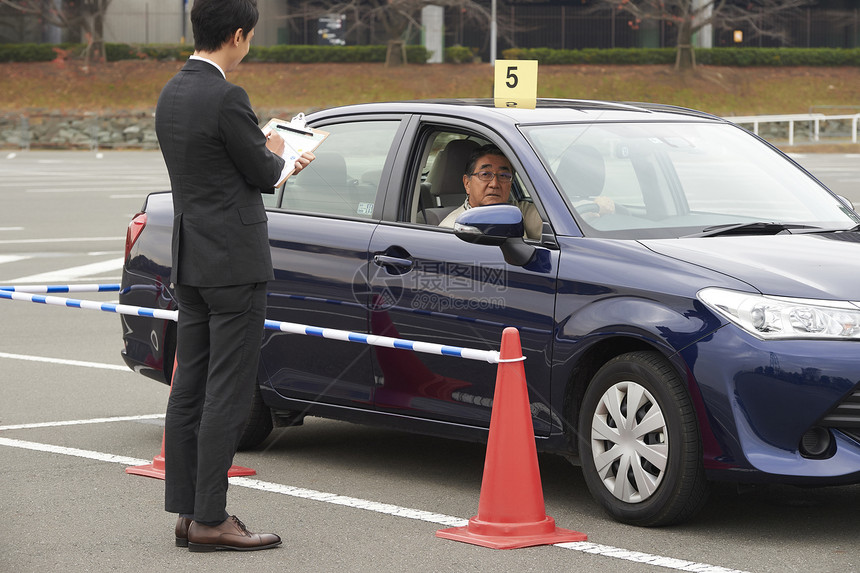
71,273
82,422
354,502
60,240
65,362
99,456
11,228
11,258
93,189
638,557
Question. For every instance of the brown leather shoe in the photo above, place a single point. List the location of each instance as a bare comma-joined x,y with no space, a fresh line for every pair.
182,524
230,535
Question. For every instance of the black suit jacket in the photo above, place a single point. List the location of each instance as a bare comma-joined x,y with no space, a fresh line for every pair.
218,163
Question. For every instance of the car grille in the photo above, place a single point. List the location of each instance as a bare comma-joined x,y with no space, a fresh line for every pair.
845,417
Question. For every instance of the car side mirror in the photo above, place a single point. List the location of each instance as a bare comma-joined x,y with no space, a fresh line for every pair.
847,201
497,225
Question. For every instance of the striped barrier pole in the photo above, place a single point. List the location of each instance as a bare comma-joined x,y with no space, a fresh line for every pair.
91,305
47,289
490,356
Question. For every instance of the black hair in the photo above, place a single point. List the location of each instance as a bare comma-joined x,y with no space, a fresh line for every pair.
214,22
488,149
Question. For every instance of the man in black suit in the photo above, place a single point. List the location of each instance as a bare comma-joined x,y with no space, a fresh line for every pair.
219,163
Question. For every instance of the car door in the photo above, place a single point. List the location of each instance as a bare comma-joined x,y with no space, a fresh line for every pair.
430,286
319,235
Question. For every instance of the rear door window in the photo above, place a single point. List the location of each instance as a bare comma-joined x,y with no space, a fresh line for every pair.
344,178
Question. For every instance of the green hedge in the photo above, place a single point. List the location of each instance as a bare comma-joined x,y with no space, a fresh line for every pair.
460,55
331,54
779,57
736,57
32,52
548,56
115,52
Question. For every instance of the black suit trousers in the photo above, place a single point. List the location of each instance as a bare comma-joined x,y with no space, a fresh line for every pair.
218,349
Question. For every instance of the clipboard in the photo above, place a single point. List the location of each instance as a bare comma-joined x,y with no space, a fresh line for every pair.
298,138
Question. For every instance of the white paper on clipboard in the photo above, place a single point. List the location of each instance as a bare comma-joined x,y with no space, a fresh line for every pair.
298,138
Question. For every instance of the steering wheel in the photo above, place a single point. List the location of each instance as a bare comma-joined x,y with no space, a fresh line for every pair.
585,208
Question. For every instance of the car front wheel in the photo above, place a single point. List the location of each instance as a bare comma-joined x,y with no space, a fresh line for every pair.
639,442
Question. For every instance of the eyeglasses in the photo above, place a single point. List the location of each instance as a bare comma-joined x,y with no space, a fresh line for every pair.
487,176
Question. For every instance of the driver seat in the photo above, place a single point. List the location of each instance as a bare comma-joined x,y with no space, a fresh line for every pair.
446,179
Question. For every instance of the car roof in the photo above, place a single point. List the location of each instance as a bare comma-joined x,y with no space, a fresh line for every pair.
545,111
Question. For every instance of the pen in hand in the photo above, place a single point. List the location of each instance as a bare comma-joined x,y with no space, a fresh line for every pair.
275,143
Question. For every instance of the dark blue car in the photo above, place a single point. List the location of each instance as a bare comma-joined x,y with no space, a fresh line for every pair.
705,326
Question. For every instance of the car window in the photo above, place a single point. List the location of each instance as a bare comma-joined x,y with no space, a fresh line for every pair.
438,183
345,176
650,180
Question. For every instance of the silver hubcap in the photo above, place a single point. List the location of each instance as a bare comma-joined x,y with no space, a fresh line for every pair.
629,442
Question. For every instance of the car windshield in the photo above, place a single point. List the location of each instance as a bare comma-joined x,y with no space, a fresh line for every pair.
662,180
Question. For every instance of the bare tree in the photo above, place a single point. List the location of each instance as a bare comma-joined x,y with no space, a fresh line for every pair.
399,18
86,16
690,16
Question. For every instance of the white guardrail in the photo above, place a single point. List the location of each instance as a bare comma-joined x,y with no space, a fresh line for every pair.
791,119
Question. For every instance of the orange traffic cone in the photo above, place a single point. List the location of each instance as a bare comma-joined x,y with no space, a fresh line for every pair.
511,511
156,468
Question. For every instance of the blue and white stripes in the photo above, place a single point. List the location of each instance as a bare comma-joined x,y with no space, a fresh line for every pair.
90,305
36,289
34,294
491,356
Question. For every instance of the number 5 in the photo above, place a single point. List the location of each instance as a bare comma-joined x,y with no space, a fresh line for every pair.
512,77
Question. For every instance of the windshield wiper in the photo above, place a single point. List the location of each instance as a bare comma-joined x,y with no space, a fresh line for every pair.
755,228
820,231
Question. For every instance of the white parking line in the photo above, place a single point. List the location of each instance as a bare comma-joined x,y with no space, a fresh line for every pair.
353,502
60,240
98,456
82,422
65,362
639,557
11,258
107,186
71,273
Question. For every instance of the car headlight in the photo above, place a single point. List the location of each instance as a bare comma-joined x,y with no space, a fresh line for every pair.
769,317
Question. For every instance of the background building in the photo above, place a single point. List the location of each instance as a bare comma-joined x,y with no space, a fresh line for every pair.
559,24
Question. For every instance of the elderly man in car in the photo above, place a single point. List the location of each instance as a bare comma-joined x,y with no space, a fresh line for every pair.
488,180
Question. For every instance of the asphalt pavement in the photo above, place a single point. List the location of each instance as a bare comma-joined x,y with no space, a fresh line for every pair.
344,497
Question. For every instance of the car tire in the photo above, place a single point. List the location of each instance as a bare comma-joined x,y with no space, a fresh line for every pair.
259,424
646,470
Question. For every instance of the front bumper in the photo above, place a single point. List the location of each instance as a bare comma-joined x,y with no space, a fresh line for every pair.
762,397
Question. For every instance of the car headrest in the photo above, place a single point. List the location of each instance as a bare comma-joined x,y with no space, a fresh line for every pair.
581,171
446,175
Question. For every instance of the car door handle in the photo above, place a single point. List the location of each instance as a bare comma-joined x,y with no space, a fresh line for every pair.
387,260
